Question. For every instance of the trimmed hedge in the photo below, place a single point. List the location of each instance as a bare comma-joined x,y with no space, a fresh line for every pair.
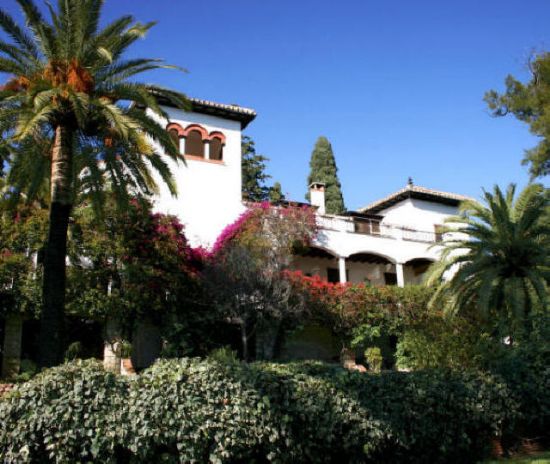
224,411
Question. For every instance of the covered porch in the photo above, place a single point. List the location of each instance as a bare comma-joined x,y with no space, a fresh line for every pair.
362,267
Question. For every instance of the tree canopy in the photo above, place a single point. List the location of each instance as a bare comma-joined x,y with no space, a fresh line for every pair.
254,176
71,95
497,258
323,169
530,103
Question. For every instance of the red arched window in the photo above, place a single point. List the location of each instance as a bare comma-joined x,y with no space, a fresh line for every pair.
174,134
216,149
194,144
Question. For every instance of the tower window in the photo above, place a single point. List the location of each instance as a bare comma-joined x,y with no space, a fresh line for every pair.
216,149
175,137
194,144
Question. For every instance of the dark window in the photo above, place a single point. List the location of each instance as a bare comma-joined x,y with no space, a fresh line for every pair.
333,275
367,226
175,137
390,278
194,144
216,149
362,226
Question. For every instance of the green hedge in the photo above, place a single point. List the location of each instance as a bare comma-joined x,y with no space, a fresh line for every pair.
220,410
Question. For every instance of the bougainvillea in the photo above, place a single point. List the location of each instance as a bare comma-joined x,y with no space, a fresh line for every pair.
266,228
344,307
135,261
244,272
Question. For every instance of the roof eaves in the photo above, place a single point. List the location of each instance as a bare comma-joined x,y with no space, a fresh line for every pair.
412,192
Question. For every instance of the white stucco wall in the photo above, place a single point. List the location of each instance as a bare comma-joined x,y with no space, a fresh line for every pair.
209,193
397,251
417,214
394,244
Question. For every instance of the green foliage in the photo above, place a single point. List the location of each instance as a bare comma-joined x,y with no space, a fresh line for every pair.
71,413
276,194
501,254
73,351
373,355
253,172
222,410
27,370
137,262
22,235
323,169
72,116
254,175
525,366
530,103
437,341
66,72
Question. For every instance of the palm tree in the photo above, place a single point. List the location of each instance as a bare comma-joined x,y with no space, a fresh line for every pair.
70,90
497,258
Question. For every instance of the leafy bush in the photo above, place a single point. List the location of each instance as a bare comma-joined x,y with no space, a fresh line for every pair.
373,355
197,411
71,413
221,410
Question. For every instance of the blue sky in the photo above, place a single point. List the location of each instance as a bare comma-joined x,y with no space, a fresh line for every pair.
396,86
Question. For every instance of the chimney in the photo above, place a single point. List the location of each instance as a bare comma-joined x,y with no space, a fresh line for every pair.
317,196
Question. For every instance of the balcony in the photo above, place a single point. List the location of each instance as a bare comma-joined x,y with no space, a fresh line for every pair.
374,227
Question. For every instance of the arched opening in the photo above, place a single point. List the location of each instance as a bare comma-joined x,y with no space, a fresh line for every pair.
175,136
316,261
216,149
415,270
371,268
194,144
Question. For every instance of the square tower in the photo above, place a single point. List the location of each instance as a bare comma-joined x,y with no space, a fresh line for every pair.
209,185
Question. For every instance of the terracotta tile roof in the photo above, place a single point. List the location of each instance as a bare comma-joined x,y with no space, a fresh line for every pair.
417,192
233,112
223,106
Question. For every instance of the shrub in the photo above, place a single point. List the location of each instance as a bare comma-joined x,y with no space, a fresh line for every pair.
199,411
70,413
373,355
221,410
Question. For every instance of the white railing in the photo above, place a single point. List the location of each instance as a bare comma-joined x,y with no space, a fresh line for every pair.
375,228
336,223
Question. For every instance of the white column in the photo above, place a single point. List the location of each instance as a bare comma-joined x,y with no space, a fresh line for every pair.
400,274
342,269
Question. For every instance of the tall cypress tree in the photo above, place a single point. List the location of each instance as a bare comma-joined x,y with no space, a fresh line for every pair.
323,169
253,172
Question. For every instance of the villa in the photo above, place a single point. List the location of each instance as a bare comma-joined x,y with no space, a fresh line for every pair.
391,241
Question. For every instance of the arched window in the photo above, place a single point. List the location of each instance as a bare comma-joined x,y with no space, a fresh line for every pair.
216,149
194,144
174,134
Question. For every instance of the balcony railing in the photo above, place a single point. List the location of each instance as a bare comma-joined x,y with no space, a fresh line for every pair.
374,227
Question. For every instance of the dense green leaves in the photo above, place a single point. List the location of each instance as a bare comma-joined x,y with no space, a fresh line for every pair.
497,258
323,169
72,413
221,410
530,103
73,121
254,176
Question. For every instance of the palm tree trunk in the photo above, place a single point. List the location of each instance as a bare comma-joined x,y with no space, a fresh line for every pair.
53,284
